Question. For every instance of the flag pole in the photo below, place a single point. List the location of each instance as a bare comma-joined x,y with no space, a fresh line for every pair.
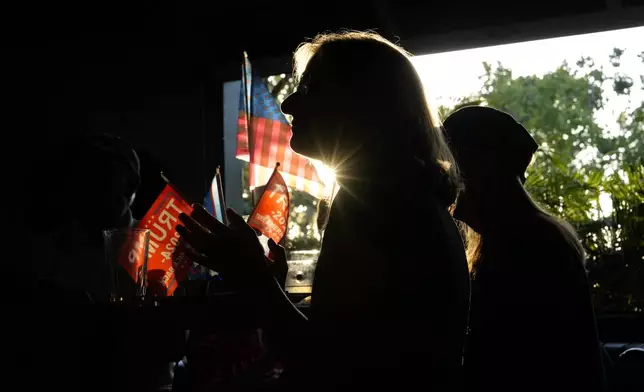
220,190
246,85
252,191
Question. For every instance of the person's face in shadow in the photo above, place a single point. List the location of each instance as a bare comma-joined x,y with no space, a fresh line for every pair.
114,194
481,195
320,108
121,192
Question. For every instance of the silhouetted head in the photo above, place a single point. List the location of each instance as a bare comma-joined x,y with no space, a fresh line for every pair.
360,106
493,152
106,178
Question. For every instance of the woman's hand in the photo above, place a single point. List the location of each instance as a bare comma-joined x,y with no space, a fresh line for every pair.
234,250
277,262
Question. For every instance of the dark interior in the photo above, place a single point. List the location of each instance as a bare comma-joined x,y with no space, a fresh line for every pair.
152,72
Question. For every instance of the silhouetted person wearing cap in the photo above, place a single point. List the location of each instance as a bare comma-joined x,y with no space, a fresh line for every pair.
94,185
80,191
532,324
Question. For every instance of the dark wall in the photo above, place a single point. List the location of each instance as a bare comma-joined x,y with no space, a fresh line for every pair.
161,114
167,130
135,72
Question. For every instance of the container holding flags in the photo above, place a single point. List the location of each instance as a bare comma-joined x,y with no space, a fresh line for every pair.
126,252
263,140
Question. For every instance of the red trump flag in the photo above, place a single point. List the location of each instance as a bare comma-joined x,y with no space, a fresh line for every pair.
270,215
165,269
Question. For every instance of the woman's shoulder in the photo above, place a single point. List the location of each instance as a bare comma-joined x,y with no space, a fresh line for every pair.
552,234
394,222
423,216
545,247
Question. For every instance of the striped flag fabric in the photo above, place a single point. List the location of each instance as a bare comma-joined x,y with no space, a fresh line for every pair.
263,139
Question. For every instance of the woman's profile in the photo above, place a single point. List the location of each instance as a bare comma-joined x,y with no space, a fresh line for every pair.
391,291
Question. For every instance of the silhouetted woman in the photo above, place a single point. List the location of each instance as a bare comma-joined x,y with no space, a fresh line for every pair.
532,325
391,291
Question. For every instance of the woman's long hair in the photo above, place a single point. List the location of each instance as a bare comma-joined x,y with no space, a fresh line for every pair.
475,242
381,77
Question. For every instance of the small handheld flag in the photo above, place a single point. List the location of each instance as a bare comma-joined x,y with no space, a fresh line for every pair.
165,269
270,215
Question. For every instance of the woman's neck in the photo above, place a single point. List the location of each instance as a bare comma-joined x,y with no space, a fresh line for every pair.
368,182
373,167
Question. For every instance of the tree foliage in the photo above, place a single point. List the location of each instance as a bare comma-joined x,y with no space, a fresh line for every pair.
581,162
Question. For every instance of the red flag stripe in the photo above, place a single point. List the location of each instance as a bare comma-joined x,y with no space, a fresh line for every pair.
256,134
242,137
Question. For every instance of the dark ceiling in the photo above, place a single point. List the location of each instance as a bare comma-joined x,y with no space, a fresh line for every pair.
102,49
217,31
64,62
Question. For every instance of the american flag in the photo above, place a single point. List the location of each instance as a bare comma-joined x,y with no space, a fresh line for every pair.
266,141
